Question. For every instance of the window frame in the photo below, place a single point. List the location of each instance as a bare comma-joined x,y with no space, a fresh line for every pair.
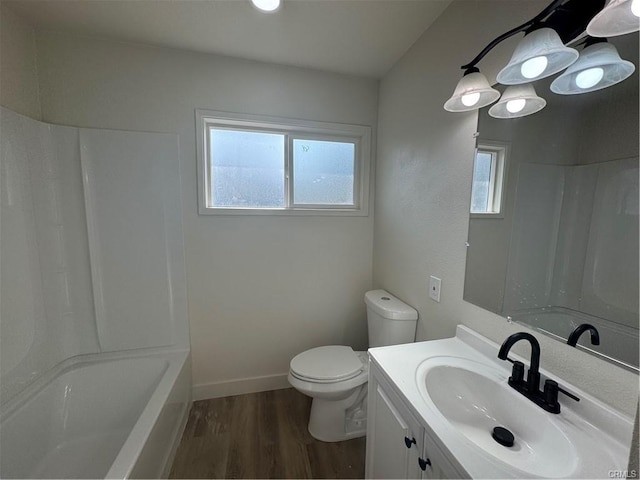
497,189
292,129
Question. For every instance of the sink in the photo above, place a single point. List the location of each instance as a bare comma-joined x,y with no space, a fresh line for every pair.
474,398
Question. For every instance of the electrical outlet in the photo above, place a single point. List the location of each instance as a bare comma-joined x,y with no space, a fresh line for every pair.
434,288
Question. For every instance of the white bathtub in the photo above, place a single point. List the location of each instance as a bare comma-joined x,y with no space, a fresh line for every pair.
99,416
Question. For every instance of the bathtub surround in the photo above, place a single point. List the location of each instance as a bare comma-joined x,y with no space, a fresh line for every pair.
93,267
424,169
19,88
87,216
47,300
261,288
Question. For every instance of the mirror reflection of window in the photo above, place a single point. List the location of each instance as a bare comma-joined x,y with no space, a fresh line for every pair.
488,179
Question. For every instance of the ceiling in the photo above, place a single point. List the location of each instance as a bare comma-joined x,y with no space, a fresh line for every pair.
359,37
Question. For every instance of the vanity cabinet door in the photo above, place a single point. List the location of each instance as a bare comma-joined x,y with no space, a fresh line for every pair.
395,441
434,462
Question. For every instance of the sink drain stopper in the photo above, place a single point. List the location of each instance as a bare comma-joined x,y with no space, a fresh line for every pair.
503,436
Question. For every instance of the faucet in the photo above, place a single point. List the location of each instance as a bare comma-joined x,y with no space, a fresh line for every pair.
546,399
533,376
580,329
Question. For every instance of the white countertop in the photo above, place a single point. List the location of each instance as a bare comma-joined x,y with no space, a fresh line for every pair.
601,434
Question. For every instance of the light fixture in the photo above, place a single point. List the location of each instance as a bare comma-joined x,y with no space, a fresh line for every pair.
544,52
539,54
599,66
267,5
617,18
472,92
518,101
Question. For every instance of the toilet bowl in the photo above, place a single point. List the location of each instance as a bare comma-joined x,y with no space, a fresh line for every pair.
336,377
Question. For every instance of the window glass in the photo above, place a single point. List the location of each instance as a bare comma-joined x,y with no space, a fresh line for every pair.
256,165
482,178
247,169
323,172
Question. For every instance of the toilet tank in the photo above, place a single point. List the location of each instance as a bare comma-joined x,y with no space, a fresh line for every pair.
390,320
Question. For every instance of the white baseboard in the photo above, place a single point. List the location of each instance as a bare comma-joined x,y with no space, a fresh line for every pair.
227,388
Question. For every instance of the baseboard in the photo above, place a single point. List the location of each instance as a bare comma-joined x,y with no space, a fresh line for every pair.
238,387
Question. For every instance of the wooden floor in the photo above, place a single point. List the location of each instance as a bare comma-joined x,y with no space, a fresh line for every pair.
261,435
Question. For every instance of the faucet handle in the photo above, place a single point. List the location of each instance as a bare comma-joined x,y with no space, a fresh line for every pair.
517,372
550,395
570,395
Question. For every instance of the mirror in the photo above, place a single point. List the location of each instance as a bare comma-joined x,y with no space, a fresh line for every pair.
562,248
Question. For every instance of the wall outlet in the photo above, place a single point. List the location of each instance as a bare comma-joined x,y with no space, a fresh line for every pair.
434,288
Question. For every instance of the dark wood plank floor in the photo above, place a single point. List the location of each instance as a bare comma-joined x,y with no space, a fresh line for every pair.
261,435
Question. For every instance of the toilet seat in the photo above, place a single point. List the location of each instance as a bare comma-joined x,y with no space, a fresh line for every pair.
328,364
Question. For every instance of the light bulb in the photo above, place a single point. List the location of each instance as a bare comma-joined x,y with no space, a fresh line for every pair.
516,105
470,99
534,67
635,7
589,77
266,5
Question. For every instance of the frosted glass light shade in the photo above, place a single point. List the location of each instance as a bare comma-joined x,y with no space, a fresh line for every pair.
472,92
266,5
618,17
598,61
538,55
518,101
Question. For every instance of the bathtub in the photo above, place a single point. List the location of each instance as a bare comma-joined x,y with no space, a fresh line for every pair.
99,416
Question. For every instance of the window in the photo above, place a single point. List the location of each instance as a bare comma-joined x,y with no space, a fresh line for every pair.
488,179
265,165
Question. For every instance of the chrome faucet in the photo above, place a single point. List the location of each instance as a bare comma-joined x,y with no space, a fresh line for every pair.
580,329
546,399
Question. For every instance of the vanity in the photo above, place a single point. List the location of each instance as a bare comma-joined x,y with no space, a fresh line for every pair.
434,407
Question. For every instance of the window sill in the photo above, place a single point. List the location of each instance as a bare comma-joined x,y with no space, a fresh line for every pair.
337,212
487,216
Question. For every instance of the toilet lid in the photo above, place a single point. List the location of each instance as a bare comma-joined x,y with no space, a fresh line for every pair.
334,362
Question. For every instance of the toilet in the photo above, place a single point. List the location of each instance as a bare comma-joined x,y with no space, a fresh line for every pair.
336,377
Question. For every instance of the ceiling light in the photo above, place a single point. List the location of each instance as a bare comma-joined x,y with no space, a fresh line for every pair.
518,101
599,66
617,18
267,5
539,54
472,92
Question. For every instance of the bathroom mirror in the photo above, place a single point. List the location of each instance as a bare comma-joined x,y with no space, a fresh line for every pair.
562,248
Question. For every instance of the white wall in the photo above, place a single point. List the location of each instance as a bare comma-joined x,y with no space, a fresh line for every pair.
260,289
18,66
423,184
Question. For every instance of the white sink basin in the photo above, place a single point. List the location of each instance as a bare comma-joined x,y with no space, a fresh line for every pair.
474,398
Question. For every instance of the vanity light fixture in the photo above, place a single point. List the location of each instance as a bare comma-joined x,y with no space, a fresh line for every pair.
473,91
518,101
539,54
544,52
599,66
617,18
267,6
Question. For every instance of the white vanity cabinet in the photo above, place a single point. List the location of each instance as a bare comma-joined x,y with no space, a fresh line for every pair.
398,446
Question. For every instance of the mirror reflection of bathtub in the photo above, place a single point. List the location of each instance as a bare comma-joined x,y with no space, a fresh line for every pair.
564,250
